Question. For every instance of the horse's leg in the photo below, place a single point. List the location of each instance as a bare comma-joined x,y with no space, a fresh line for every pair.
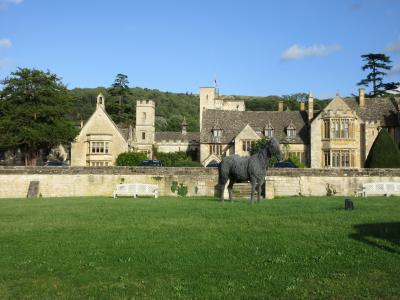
253,189
259,186
230,188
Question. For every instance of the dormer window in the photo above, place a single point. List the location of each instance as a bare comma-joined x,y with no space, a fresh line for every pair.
291,130
217,131
268,130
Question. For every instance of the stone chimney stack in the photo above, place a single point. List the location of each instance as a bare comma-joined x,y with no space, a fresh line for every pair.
280,105
81,123
361,97
310,107
302,106
184,126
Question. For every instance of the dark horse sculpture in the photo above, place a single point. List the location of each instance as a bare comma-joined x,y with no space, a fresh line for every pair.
253,168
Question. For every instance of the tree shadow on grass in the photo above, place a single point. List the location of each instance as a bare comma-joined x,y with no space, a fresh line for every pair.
385,236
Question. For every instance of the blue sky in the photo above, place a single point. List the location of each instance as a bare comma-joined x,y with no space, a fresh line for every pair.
251,47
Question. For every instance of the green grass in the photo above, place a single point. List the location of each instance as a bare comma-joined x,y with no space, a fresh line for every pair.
287,248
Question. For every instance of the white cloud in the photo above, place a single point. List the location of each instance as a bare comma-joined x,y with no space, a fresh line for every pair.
5,43
394,46
296,52
6,3
395,70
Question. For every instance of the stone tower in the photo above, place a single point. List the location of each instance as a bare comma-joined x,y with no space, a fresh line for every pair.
145,125
207,100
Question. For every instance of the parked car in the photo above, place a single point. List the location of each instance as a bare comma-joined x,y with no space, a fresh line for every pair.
54,164
213,165
151,163
284,164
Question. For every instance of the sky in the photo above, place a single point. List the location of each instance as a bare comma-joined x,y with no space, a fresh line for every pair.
252,47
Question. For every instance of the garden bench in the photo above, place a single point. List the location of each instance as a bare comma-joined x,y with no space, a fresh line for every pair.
136,189
379,189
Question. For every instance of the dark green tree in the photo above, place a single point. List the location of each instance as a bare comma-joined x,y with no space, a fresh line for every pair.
391,86
120,90
132,158
384,152
33,113
377,63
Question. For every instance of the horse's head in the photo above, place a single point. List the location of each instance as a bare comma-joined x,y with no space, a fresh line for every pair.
274,149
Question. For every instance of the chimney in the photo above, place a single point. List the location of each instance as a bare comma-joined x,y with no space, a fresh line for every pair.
302,108
361,97
81,123
310,107
184,126
280,105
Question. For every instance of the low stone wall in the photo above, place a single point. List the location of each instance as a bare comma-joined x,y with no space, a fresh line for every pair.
101,181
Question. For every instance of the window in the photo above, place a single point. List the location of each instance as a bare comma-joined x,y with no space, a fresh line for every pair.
291,130
247,145
338,129
217,132
268,130
216,149
298,154
144,117
338,158
99,147
143,135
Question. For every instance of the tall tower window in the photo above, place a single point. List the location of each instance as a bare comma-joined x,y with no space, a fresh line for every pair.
144,117
143,135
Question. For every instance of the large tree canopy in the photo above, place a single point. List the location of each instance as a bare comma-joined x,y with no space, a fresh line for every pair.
377,63
33,113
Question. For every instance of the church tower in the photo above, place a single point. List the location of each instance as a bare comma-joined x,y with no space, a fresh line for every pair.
145,126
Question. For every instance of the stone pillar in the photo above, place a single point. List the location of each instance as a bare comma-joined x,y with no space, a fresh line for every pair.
361,97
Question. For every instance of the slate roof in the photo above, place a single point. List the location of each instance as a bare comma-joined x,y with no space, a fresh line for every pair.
232,123
382,109
171,135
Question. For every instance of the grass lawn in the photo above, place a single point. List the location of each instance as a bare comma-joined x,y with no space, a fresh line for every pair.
287,248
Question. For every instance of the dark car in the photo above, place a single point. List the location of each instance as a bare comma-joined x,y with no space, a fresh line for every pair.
284,164
213,165
151,163
54,164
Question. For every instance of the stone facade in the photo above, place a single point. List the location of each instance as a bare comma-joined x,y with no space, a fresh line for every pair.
100,140
339,136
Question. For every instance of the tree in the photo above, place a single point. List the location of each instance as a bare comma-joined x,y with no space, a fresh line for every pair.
384,152
392,86
120,89
33,113
377,63
132,158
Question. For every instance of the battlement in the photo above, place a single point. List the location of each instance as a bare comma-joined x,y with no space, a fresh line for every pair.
145,103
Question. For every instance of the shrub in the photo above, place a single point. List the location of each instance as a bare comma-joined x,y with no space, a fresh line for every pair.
176,159
384,152
132,158
296,161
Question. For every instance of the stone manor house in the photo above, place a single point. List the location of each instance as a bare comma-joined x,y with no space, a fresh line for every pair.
339,136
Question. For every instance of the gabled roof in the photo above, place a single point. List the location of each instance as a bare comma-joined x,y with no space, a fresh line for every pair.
233,122
174,136
100,110
376,109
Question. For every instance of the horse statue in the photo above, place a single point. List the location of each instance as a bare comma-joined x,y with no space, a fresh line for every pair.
253,168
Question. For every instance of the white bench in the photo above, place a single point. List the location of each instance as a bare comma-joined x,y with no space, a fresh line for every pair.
379,188
136,189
